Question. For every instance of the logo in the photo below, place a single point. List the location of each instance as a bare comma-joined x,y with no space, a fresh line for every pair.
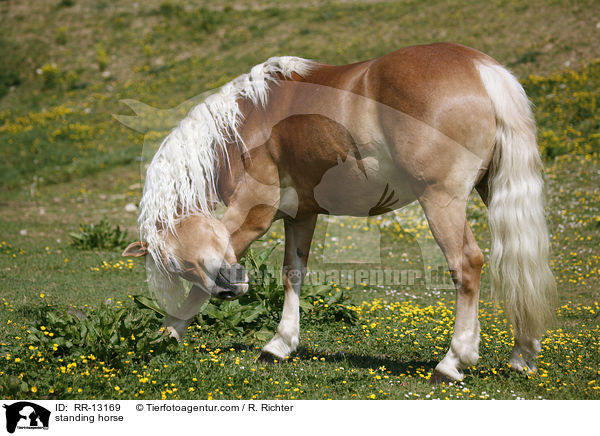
26,415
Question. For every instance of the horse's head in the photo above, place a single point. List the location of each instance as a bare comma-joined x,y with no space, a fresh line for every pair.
200,252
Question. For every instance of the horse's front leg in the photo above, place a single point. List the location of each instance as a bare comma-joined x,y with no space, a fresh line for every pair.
176,324
298,236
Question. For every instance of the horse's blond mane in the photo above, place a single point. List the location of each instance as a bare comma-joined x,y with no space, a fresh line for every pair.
181,179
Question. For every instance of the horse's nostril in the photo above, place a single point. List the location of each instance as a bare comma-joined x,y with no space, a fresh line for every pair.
238,273
231,275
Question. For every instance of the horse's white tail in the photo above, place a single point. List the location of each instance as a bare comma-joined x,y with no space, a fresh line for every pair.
519,260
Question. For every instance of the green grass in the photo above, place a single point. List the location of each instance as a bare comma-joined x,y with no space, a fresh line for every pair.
64,160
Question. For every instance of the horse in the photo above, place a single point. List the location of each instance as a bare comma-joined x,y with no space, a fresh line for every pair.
429,123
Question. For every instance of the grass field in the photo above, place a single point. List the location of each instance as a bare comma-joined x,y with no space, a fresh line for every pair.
65,160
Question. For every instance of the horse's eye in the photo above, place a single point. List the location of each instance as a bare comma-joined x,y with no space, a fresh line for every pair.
173,265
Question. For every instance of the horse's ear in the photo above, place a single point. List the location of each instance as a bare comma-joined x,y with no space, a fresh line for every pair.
136,249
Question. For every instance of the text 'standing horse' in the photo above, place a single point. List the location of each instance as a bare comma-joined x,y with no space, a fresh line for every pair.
429,123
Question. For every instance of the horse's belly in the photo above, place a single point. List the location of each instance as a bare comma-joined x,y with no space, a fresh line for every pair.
366,186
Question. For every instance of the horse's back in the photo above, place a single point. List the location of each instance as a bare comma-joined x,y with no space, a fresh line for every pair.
420,69
419,88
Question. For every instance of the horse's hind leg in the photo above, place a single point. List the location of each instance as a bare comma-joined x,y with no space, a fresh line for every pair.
448,223
298,236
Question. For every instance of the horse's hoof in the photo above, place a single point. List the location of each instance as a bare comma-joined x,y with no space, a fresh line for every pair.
438,378
267,357
172,333
522,365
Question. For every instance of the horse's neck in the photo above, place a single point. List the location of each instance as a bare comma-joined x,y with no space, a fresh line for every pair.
249,187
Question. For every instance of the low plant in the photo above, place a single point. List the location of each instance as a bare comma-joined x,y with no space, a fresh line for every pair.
10,65
102,236
72,79
168,8
256,314
101,57
113,335
50,75
61,35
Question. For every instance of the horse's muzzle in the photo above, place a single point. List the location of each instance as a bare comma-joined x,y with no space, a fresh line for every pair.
231,282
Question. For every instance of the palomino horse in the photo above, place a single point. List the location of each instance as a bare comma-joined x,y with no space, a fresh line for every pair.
426,123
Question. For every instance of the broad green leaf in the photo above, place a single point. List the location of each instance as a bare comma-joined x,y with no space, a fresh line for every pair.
305,306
